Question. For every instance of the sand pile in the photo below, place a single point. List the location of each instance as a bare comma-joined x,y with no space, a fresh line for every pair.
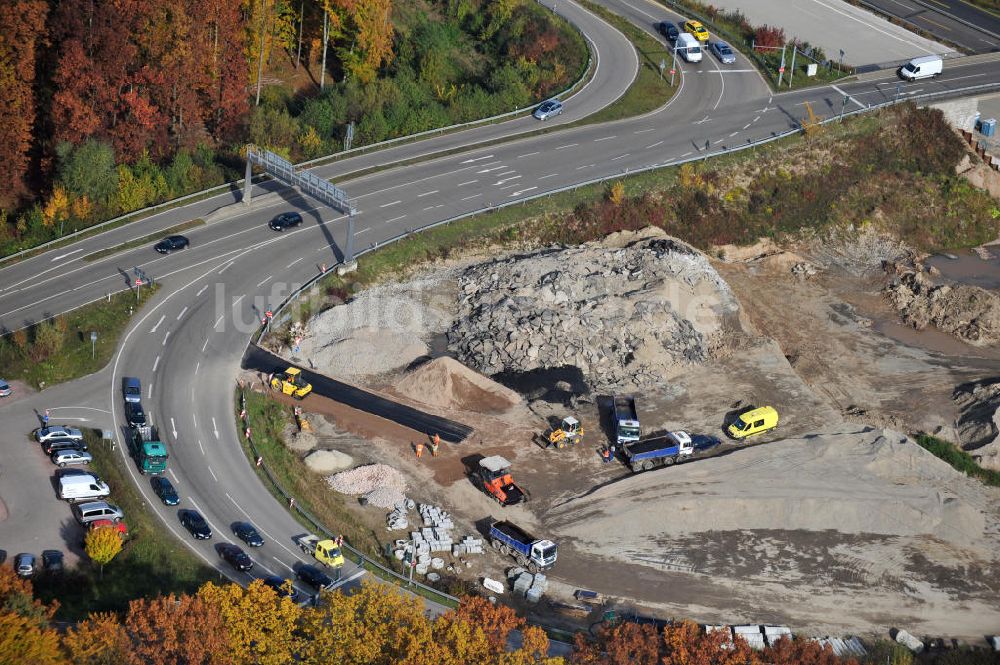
381,329
623,310
444,382
867,482
381,485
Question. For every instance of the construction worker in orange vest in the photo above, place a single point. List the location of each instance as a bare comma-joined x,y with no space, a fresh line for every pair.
435,442
420,450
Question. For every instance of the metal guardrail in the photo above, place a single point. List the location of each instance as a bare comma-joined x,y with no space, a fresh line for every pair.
358,557
319,161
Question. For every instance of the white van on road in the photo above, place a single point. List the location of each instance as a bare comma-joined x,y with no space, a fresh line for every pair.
688,47
922,68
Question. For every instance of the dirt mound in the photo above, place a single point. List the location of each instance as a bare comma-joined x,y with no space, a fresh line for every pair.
866,482
979,424
444,382
623,311
970,313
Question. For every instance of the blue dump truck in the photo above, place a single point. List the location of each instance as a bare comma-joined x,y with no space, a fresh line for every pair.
665,450
625,419
530,553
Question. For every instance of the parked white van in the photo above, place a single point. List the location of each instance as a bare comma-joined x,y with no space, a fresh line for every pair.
922,68
688,47
83,487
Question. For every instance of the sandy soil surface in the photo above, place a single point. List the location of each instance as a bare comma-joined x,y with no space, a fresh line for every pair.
832,524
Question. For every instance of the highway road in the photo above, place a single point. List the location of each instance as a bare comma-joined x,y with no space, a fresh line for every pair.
186,345
956,21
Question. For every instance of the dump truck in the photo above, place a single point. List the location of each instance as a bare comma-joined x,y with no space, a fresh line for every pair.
625,420
493,477
663,450
149,453
529,552
290,382
327,552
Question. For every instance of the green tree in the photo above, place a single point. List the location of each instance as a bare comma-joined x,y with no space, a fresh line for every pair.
88,170
102,545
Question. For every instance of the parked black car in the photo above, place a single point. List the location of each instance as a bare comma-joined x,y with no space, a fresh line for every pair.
170,243
248,534
285,220
235,557
52,561
314,577
196,524
165,490
55,445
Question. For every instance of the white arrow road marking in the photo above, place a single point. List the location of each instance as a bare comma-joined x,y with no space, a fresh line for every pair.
477,159
215,428
173,427
523,191
153,329
63,256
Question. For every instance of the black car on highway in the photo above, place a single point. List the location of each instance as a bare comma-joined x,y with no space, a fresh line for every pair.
278,584
248,534
196,524
165,490
235,557
170,243
668,30
314,577
285,220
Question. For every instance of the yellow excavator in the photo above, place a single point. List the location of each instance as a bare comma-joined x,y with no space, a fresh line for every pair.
290,382
569,433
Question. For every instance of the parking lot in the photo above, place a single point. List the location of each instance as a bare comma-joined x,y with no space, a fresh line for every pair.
32,517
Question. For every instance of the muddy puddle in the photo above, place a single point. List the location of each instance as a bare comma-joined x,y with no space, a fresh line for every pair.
967,267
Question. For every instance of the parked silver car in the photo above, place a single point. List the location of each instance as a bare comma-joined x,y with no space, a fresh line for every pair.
24,565
43,434
5,390
65,457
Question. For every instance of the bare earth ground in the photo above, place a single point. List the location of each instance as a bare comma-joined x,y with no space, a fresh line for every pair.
833,526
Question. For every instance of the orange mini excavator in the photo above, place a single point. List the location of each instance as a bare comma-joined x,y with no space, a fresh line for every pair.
493,476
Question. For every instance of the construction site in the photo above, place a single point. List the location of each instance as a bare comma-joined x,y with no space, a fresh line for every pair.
605,386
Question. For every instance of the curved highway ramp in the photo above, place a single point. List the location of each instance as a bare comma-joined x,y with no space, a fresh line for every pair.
257,359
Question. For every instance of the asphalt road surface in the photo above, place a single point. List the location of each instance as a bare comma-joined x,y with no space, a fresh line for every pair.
450,431
972,28
187,344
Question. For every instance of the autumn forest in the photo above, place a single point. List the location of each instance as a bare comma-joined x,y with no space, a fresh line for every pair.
109,106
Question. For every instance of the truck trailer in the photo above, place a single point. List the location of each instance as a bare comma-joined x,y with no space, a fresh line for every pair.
530,552
149,453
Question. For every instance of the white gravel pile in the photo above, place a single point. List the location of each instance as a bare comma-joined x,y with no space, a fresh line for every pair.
377,482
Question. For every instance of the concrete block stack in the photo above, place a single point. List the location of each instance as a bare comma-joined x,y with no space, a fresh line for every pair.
469,545
397,520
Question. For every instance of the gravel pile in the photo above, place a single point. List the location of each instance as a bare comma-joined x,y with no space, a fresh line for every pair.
364,480
385,497
622,310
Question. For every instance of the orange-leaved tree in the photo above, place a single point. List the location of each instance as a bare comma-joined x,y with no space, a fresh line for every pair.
174,629
97,640
25,633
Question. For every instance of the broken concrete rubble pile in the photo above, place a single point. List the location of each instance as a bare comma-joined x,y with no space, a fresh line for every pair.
380,485
970,313
621,312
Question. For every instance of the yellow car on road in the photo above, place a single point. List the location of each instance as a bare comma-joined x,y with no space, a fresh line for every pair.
753,422
697,29
290,382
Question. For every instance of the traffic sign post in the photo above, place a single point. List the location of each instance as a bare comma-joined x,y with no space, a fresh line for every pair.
663,65
673,66
138,285
93,344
